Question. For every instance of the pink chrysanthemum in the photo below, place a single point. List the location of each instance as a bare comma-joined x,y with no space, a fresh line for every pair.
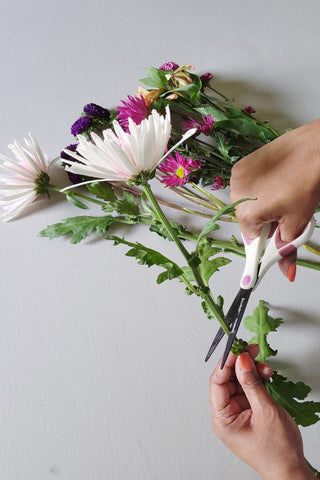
135,108
178,169
218,183
204,126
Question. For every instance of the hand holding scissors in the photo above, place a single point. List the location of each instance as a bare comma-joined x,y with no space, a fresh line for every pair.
253,272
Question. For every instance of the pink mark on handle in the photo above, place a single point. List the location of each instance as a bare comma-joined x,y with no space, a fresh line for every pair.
284,252
246,280
248,240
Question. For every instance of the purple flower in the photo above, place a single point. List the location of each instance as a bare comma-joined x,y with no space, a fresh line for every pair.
72,148
96,111
249,109
205,80
218,183
80,125
204,126
73,177
134,108
169,66
177,169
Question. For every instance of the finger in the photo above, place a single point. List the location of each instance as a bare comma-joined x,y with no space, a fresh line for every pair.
251,382
288,266
253,350
264,370
291,227
219,385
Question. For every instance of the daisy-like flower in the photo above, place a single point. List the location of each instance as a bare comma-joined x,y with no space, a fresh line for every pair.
178,169
204,126
120,156
134,108
25,178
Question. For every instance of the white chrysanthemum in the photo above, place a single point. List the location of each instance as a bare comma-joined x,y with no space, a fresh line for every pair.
121,156
24,178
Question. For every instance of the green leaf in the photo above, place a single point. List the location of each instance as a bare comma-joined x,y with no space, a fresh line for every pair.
287,394
150,257
125,205
81,227
215,112
212,224
261,324
156,78
209,267
75,202
241,124
102,190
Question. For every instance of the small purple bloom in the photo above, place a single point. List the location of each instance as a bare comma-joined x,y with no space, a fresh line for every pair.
96,111
249,109
169,66
80,125
205,80
72,148
134,108
218,183
73,177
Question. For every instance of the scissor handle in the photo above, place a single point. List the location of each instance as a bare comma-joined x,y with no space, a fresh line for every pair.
278,249
254,248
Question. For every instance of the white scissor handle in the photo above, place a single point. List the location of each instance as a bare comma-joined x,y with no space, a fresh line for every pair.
254,248
278,249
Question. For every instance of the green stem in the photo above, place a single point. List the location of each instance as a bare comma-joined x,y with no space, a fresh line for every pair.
77,195
203,289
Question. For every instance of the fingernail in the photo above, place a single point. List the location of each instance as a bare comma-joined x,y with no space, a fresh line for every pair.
291,273
245,362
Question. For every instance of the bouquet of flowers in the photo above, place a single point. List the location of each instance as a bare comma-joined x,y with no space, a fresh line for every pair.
178,133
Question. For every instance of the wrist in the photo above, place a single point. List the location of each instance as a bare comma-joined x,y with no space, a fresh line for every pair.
298,473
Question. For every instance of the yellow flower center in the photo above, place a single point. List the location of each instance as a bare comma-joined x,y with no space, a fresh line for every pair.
180,172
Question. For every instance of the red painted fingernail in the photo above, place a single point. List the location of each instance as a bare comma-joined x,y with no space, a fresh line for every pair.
291,273
245,362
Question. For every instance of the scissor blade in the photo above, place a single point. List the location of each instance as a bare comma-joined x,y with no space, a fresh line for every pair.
243,296
229,319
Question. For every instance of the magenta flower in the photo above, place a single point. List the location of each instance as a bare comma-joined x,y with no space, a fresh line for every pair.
205,80
249,109
169,66
135,108
204,126
178,169
218,183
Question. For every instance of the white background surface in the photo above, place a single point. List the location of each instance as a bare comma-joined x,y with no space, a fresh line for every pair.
102,373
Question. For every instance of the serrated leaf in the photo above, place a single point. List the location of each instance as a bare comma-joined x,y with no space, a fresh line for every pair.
150,257
209,267
127,205
287,394
102,190
75,201
80,227
261,324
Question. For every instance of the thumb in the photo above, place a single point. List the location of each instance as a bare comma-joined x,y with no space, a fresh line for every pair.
251,382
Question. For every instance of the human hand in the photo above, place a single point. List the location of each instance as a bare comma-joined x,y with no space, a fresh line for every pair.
284,178
251,424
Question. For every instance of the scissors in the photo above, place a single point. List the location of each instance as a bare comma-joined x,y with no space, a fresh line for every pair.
252,274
